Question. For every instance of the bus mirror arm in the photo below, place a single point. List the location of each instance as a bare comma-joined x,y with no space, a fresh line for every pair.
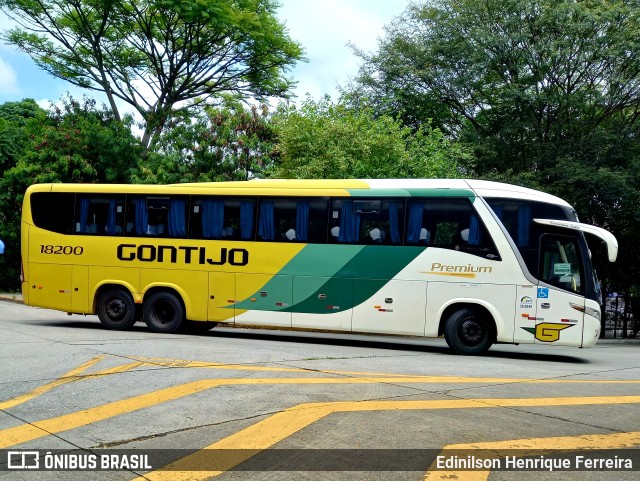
605,235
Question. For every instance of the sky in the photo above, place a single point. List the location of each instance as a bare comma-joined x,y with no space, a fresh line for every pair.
324,28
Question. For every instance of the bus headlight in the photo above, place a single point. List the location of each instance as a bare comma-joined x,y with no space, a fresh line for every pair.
587,310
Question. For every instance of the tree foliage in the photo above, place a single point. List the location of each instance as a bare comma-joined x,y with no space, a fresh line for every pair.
536,72
13,118
158,56
230,142
327,140
75,143
78,143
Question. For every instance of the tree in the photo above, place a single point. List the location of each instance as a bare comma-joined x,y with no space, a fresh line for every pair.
522,77
13,118
230,142
326,140
158,56
75,143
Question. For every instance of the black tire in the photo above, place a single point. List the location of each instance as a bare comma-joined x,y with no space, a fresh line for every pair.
468,332
116,309
163,312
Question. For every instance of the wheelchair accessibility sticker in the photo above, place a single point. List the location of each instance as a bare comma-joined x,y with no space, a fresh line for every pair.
543,293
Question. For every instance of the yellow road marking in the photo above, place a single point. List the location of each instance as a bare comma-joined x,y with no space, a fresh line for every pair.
278,427
211,365
166,362
65,378
75,374
39,429
533,447
21,434
72,376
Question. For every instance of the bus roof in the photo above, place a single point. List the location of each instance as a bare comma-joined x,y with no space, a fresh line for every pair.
328,187
484,188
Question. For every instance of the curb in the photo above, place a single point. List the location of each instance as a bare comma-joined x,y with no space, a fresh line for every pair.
16,298
629,340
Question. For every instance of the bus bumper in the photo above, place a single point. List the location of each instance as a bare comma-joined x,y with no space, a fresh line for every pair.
591,331
25,293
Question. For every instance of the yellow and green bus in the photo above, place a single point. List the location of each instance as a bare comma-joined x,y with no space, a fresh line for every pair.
478,262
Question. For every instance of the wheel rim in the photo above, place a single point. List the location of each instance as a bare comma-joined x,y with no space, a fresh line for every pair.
163,312
472,332
116,309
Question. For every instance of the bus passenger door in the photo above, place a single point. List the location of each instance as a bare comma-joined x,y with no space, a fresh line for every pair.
526,308
557,321
222,293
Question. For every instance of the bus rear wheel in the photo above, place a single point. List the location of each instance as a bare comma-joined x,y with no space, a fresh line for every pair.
116,309
163,312
468,332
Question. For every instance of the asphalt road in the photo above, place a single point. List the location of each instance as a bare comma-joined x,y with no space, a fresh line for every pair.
244,404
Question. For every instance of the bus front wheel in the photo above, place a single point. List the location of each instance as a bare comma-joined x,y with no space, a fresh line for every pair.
468,332
116,309
163,312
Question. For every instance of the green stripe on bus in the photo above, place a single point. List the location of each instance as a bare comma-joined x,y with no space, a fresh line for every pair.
321,260
315,263
377,264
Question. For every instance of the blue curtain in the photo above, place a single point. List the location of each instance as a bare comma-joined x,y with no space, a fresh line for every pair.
246,220
111,218
141,216
474,231
177,218
212,219
266,223
524,221
349,223
393,222
302,220
498,211
414,224
84,214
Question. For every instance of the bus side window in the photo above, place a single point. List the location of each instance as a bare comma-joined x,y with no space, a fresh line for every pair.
311,220
382,221
157,216
99,215
292,220
449,224
53,211
222,218
366,221
345,223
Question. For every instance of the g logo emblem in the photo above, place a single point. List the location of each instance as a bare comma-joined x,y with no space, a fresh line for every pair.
547,331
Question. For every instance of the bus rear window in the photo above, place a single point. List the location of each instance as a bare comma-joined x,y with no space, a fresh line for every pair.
53,211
